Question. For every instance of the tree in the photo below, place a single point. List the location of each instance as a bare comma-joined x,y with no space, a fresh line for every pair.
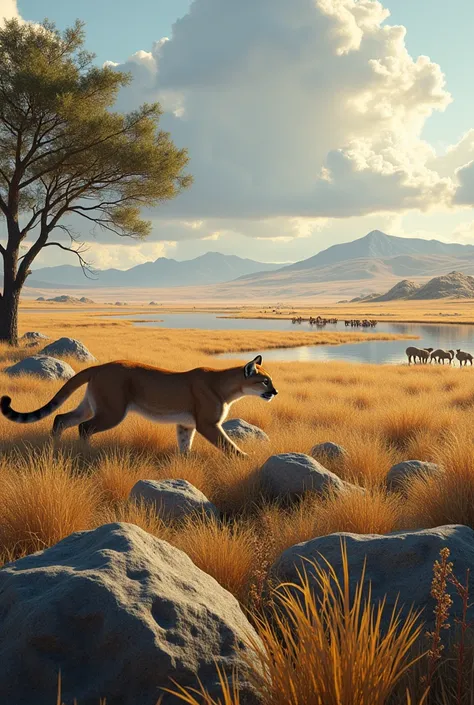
64,153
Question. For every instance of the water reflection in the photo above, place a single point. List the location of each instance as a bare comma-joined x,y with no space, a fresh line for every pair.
431,335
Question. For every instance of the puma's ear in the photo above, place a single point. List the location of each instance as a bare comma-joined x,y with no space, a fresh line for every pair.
251,367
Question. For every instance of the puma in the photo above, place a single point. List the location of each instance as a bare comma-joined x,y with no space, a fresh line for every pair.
196,400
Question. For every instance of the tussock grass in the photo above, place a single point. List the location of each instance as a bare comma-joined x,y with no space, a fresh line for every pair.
323,650
447,498
141,515
42,500
117,471
225,551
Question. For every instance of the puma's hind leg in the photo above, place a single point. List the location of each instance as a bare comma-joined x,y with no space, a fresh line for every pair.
185,435
72,418
102,421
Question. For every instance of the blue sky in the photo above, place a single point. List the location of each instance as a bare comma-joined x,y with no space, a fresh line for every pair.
260,147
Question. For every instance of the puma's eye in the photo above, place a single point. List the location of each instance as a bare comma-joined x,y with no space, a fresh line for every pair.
265,382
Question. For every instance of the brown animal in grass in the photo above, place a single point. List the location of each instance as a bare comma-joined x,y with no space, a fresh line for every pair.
196,400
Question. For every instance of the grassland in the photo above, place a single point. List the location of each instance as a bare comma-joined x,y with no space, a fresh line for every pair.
436,311
380,414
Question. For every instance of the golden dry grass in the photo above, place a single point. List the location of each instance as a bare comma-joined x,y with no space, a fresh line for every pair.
325,650
380,414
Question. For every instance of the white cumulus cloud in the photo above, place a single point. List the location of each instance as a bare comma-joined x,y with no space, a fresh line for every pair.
311,108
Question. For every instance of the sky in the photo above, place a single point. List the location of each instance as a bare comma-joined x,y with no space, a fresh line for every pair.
308,122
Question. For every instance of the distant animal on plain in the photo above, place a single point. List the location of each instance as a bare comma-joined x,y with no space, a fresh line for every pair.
440,354
420,354
196,400
463,357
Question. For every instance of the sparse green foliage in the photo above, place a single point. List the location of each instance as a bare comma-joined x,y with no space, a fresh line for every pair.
64,152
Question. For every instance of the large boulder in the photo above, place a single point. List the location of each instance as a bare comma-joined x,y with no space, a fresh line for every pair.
119,613
329,450
175,499
241,430
400,474
400,563
42,366
289,474
70,348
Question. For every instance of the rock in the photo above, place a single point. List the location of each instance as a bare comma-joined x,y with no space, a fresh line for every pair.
34,336
329,450
42,366
118,612
294,473
243,431
40,298
398,563
69,347
401,472
174,498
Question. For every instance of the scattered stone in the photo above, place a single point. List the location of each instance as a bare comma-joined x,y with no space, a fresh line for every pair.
400,563
399,474
34,336
119,613
295,473
176,499
70,348
329,450
243,431
42,366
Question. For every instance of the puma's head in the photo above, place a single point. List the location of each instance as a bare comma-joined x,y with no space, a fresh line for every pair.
257,382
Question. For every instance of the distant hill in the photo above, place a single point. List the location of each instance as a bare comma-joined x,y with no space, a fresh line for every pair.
453,286
211,268
376,245
405,289
64,299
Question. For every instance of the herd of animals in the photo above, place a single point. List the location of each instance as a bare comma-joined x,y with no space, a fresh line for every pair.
321,322
427,355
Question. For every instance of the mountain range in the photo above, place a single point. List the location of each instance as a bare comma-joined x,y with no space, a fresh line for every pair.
364,266
211,268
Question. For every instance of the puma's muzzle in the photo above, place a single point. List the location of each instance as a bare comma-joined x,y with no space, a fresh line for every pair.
269,394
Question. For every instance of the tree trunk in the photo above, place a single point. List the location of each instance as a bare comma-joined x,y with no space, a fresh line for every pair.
9,318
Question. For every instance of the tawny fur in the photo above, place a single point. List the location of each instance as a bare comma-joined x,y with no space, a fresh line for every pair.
196,400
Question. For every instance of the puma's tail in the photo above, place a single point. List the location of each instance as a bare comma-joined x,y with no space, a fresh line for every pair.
59,398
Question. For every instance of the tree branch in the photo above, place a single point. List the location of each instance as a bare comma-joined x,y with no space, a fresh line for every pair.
85,266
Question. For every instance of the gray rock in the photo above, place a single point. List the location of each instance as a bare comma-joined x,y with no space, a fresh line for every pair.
333,451
176,499
42,366
399,474
295,473
398,563
243,431
69,347
34,336
118,612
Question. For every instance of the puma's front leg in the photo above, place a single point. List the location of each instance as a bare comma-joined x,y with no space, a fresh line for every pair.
185,435
217,436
